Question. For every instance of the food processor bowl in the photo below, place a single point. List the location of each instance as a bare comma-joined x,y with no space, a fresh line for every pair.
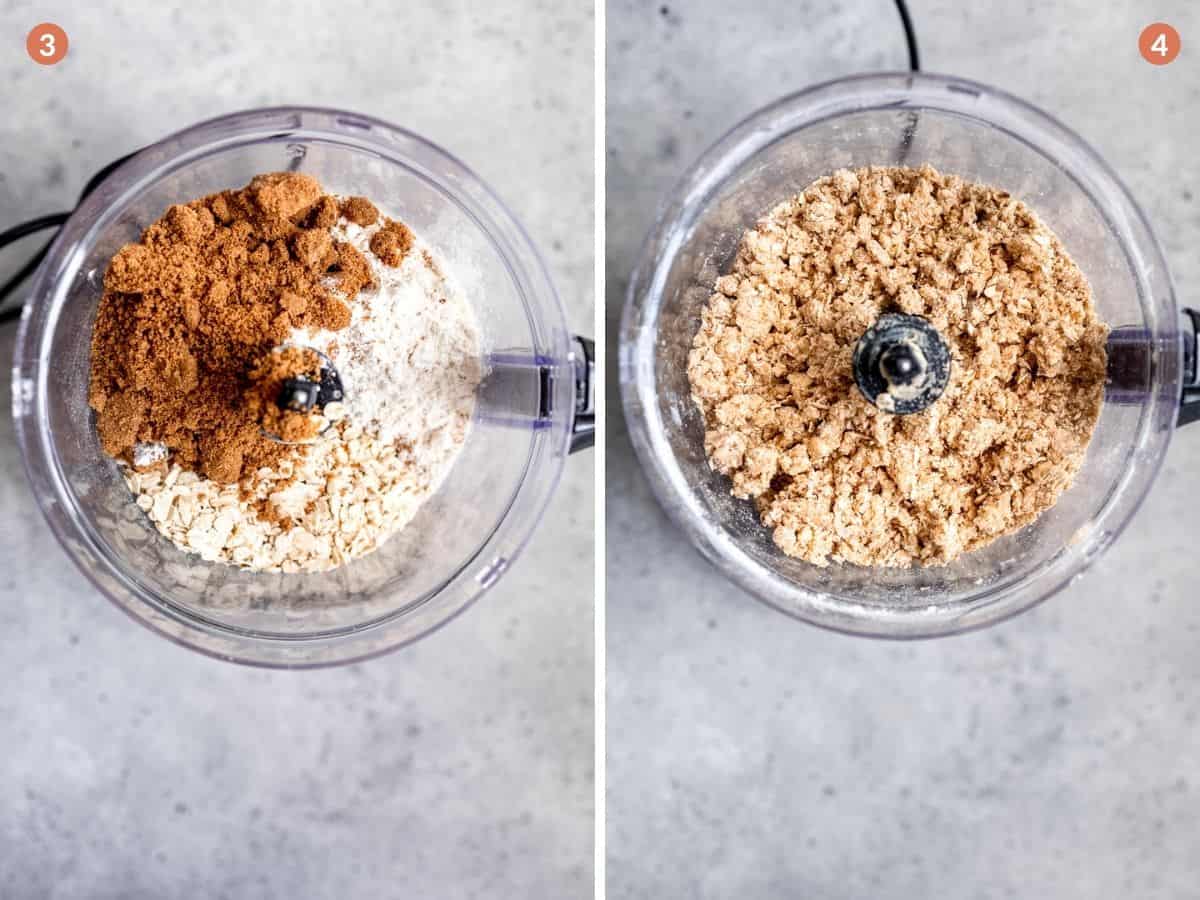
464,537
960,128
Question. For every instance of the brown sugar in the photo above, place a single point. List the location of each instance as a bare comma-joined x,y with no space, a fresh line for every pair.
118,421
353,270
360,211
187,311
324,214
837,479
392,242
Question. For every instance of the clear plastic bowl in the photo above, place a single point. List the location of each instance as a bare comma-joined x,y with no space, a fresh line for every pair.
958,127
463,538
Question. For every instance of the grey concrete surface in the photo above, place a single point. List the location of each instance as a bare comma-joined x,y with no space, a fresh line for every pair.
461,767
753,756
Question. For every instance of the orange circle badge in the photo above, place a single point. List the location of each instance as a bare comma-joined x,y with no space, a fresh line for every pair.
1159,44
46,44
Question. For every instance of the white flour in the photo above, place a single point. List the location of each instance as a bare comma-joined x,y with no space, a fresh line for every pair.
410,357
147,454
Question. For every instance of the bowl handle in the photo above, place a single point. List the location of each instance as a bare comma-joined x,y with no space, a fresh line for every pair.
583,431
1189,401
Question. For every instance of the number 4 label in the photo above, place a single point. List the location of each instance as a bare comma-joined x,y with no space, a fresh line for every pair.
1159,44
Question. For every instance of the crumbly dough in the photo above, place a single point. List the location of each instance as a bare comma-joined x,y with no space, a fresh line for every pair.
839,480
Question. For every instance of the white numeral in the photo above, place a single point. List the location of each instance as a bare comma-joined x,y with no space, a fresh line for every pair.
1160,45
48,49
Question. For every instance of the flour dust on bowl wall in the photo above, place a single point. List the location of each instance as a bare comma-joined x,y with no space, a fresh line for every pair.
902,356
297,387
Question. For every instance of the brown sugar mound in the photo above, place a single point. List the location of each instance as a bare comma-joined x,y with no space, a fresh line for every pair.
187,311
354,272
392,242
838,479
360,211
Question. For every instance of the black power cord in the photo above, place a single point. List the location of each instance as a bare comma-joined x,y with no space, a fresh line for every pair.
34,225
914,65
15,234
41,223
910,36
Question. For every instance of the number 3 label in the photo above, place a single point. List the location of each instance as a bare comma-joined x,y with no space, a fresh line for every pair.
46,44
1159,44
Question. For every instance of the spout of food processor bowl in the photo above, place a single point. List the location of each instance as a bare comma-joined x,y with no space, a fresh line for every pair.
1130,350
518,391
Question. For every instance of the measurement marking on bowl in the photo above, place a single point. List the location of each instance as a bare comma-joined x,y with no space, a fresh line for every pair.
488,575
353,122
963,89
22,396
